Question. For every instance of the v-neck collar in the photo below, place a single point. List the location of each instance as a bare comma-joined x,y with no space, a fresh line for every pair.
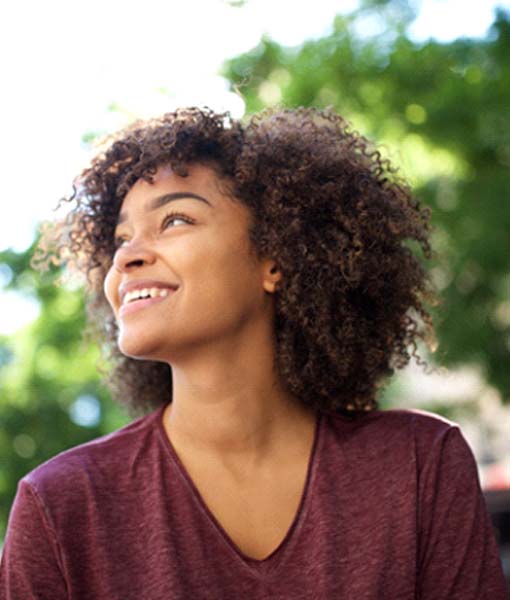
270,562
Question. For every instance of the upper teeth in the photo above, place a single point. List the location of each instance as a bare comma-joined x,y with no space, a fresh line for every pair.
145,293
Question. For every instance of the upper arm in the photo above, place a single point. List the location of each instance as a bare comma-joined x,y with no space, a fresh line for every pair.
31,566
457,555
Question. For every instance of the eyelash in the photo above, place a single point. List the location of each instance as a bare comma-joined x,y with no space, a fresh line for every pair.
177,215
169,217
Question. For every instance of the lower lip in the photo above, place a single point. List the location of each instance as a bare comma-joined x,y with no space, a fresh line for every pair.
135,305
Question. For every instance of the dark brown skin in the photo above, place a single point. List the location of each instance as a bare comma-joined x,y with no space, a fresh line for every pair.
323,209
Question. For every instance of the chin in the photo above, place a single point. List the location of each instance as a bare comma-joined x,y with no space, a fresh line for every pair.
138,347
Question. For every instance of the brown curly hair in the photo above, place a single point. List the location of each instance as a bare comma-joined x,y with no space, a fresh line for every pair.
327,208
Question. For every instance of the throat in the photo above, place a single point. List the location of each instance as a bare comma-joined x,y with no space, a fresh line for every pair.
236,440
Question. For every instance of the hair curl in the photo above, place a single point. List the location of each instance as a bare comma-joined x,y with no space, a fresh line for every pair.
327,208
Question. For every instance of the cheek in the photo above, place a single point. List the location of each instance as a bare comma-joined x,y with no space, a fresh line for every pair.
110,286
231,276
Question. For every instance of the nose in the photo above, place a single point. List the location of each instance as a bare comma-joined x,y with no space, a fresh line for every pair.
132,254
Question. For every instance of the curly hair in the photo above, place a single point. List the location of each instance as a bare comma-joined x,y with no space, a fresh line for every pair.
333,214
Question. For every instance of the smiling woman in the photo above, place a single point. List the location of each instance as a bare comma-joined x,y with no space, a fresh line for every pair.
254,285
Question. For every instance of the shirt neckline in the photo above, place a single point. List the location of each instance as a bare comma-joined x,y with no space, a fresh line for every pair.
269,562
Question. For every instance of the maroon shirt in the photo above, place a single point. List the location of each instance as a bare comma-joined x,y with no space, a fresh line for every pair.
392,509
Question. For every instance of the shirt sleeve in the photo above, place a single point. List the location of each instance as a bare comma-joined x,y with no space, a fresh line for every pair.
457,555
30,566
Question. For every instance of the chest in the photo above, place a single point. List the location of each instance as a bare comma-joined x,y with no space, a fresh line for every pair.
348,539
165,532
254,513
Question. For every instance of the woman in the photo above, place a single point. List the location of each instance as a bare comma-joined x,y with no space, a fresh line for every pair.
255,288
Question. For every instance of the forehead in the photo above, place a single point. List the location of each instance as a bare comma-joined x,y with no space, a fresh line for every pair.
201,182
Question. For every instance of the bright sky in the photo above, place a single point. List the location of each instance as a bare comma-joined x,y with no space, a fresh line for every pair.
65,63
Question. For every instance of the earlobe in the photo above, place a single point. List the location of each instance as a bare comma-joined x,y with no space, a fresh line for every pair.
271,278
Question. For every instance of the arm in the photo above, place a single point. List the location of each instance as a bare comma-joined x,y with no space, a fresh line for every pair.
30,567
457,556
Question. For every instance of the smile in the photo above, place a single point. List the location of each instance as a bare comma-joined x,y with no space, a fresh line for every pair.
145,293
139,299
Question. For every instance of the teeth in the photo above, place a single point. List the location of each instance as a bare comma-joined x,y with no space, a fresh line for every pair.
145,293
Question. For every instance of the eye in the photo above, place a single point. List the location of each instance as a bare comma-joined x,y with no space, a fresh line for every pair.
175,216
169,218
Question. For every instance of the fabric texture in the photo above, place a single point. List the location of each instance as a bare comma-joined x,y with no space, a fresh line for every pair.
392,509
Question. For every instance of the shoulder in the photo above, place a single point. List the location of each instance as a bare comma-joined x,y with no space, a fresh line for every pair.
94,462
405,452
396,432
424,424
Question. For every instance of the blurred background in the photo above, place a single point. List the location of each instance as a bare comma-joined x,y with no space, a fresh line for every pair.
428,79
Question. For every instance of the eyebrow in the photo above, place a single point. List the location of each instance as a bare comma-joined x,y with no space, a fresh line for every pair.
160,201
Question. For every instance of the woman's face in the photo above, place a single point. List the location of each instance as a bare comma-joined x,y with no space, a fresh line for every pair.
201,283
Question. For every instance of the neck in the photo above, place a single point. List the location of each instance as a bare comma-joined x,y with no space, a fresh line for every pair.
235,422
231,405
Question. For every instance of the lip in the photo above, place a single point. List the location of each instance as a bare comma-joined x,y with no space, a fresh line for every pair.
140,284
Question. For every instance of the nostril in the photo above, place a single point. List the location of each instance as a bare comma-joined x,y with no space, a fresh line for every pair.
122,262
135,262
133,255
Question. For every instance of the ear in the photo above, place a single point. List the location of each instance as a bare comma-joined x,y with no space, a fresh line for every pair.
271,276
